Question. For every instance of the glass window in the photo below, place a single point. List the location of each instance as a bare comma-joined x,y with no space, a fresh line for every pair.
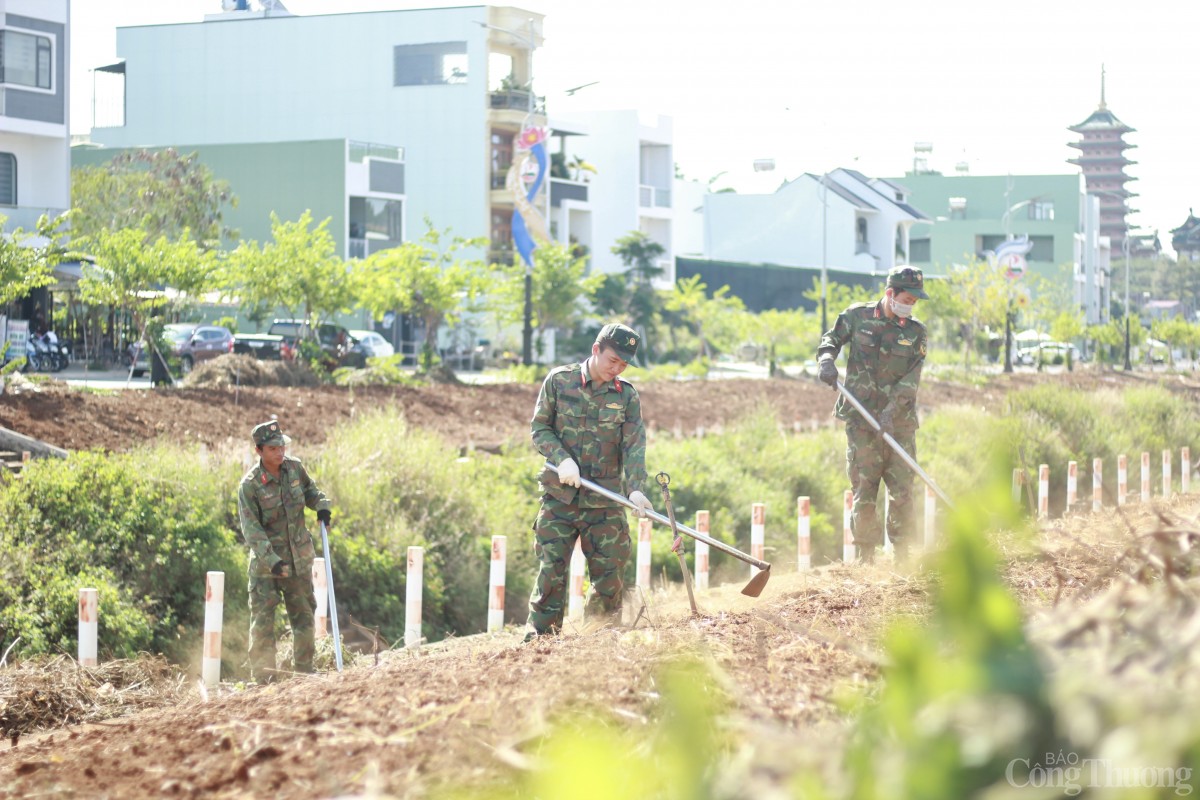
25,59
8,179
430,64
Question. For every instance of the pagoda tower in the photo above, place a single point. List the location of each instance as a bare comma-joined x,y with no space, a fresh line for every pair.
1102,159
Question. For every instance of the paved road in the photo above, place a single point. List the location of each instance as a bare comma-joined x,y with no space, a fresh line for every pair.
76,375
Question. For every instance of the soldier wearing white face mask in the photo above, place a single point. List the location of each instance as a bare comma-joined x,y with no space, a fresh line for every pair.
887,349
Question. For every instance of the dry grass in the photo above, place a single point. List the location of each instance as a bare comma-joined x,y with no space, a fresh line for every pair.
228,371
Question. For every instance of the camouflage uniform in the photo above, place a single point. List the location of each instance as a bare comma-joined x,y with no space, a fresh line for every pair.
601,429
271,511
883,365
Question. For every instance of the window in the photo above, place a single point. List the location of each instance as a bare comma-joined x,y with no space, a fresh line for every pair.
8,179
958,208
25,59
437,63
1041,209
918,251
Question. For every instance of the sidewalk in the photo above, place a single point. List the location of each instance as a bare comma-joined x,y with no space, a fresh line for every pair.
78,375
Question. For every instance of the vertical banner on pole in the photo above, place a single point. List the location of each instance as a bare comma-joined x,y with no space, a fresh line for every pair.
1145,477
645,526
412,597
214,609
1122,479
321,596
930,517
1072,485
847,533
803,534
1097,484
758,530
495,620
1166,474
1185,470
575,601
89,626
702,551
1043,491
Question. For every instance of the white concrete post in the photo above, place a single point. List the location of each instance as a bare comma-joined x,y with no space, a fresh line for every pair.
1166,474
1145,477
575,600
645,526
1122,479
803,534
412,597
1043,491
321,596
930,517
1072,484
89,626
495,619
702,551
847,533
214,610
1097,484
1185,470
758,529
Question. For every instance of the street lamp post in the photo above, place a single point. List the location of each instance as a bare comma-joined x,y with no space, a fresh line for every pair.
1125,250
824,255
1008,310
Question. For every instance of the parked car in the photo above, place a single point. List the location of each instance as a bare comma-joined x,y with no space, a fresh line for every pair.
373,344
340,347
265,346
194,344
1051,353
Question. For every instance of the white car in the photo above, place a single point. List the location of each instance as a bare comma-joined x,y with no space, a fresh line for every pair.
373,344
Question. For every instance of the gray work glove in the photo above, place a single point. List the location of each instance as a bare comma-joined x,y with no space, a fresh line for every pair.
887,418
828,372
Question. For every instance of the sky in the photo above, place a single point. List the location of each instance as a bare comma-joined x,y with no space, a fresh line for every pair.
820,85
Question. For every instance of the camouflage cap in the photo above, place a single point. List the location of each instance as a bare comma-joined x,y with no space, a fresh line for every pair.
621,338
907,279
268,433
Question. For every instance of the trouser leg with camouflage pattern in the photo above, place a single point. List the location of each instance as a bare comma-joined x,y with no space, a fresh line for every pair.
869,459
604,536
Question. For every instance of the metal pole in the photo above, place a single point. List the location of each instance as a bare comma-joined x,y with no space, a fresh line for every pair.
333,614
824,256
1125,247
527,329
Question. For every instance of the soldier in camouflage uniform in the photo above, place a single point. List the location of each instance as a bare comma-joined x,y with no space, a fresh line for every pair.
589,423
271,501
886,352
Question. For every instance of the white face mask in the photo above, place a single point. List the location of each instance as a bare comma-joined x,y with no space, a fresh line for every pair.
902,310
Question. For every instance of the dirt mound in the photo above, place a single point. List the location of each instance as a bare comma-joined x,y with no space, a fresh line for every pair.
229,371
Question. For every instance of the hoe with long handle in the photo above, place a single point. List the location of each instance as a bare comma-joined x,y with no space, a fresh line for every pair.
887,437
333,615
664,480
752,589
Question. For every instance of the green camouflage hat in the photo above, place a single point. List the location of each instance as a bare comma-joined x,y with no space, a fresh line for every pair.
621,338
268,433
907,279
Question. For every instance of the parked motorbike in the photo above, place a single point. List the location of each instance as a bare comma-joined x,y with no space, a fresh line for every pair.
44,356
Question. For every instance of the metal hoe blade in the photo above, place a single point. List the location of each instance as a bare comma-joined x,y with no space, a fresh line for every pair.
753,588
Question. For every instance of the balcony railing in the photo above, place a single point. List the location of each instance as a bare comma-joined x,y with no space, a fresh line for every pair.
654,197
514,99
500,255
561,189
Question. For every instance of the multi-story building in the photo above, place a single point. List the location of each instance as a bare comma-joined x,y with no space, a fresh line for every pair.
35,159
1102,159
451,86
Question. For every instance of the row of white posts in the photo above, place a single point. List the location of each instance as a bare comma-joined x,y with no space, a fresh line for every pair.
1043,498
215,583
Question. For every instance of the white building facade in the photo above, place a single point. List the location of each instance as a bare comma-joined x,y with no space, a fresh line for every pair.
35,156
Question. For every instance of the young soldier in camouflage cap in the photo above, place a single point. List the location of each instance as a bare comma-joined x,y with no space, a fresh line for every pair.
588,422
271,501
883,370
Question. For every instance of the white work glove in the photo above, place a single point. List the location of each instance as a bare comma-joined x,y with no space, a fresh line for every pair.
642,502
568,473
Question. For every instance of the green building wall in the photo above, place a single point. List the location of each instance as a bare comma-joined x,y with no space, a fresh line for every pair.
955,240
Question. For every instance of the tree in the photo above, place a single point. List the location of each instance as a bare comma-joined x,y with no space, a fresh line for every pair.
1176,332
298,270
27,258
159,191
705,315
973,297
640,255
559,285
427,278
134,275
774,328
